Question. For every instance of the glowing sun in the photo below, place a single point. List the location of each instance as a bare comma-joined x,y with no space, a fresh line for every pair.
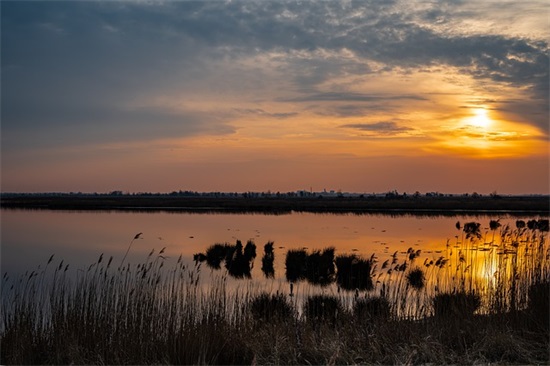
480,119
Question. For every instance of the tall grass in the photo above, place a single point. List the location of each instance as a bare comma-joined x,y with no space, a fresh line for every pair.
483,300
134,314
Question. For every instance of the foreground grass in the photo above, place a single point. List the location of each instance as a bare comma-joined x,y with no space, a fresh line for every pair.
151,314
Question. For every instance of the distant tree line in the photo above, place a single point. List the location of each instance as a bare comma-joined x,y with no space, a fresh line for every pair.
393,194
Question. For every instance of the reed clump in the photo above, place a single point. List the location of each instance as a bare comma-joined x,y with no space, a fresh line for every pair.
323,308
271,307
237,259
456,304
295,265
268,260
316,267
354,272
416,278
372,309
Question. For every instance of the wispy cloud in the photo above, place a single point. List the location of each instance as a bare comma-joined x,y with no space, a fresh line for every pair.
263,113
350,97
384,128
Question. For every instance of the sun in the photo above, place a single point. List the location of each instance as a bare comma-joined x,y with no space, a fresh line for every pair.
480,119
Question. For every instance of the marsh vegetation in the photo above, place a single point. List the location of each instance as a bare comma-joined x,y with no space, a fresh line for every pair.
483,299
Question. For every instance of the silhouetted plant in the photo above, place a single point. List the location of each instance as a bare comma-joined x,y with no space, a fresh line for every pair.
268,307
539,302
520,224
199,257
416,278
239,262
317,267
215,254
494,224
532,224
295,264
250,250
472,230
372,308
461,304
267,260
543,224
413,253
353,272
320,267
322,308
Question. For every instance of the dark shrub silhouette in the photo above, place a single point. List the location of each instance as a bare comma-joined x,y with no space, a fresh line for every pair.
537,224
295,264
267,260
539,303
543,224
239,263
372,308
317,267
199,257
268,307
320,308
416,278
320,267
250,250
456,304
494,224
472,230
353,272
215,254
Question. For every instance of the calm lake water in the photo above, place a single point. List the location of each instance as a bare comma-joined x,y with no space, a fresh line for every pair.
29,237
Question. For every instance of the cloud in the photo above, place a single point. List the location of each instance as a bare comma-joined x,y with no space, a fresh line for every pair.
351,110
263,113
481,134
70,69
349,97
385,128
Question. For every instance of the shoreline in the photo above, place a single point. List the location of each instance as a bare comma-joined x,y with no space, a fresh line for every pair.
450,205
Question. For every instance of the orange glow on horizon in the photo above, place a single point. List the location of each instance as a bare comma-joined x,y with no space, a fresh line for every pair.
484,135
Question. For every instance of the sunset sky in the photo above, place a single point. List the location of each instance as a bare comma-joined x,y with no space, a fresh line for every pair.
367,96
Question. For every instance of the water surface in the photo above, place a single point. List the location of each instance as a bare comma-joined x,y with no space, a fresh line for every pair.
30,237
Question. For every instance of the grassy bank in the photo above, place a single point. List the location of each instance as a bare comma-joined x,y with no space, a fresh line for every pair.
449,311
274,204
